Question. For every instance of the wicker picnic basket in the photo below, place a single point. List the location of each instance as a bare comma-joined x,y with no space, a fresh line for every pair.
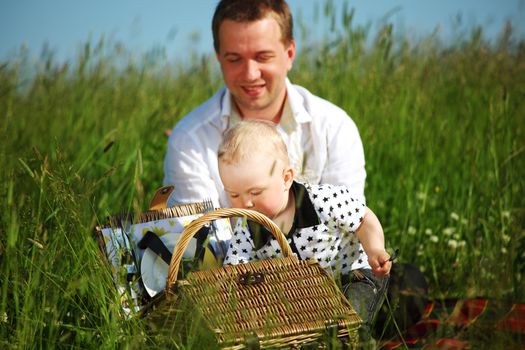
274,303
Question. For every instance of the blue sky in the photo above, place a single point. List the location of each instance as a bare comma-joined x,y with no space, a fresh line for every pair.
178,26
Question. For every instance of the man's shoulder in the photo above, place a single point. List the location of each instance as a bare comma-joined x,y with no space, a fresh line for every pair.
318,107
203,116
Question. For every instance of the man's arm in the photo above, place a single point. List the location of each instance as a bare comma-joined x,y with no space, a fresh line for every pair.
345,164
187,168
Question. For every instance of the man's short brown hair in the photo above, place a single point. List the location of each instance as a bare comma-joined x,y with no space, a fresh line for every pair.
250,11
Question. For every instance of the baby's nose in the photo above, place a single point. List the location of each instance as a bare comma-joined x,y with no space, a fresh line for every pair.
248,203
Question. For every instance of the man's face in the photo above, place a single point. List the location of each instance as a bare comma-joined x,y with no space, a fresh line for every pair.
254,64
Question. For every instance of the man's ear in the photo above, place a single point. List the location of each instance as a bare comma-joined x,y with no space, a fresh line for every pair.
290,53
288,176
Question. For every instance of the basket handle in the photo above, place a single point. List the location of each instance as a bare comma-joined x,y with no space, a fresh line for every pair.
196,225
160,198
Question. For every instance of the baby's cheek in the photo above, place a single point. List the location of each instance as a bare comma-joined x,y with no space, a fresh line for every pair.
265,209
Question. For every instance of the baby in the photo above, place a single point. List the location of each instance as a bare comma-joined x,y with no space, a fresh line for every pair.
321,222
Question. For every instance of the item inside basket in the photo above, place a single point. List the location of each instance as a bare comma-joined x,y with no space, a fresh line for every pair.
140,272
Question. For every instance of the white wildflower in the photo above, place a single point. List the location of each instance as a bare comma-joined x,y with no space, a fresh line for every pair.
421,196
411,230
428,232
461,244
449,231
452,243
504,250
454,216
434,239
506,238
506,214
3,317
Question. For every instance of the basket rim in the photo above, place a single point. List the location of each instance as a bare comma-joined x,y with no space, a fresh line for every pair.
223,213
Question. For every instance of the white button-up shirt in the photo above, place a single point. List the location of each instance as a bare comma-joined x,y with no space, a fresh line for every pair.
323,144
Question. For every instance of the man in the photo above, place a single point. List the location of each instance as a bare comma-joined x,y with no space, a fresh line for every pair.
254,45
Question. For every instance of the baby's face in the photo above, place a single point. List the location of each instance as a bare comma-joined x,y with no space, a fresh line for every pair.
257,184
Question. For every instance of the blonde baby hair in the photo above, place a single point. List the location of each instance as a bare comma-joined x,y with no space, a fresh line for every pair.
251,137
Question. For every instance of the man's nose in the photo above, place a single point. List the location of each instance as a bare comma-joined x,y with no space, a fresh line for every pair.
251,70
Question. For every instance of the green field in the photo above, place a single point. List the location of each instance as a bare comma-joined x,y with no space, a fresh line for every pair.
443,127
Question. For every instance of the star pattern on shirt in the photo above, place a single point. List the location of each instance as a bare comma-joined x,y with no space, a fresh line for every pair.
333,242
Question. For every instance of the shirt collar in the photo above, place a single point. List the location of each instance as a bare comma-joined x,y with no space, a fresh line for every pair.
305,216
225,109
297,104
235,115
287,122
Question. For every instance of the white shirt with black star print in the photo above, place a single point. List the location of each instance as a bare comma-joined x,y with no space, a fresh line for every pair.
332,241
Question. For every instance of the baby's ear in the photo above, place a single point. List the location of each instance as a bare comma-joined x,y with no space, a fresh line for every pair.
288,176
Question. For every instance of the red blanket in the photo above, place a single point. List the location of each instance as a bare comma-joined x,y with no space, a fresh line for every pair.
449,324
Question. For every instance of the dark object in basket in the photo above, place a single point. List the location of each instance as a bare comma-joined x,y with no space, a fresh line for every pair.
272,303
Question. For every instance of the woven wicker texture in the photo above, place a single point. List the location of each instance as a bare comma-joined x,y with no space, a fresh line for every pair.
278,302
197,224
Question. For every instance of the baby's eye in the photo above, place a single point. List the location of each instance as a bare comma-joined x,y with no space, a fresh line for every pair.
233,195
255,193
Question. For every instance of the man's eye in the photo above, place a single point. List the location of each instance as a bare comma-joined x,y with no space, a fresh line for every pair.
265,58
233,59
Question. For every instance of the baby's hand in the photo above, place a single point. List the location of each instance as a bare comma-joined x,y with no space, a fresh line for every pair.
380,262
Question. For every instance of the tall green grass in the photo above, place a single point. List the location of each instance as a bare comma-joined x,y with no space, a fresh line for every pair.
443,127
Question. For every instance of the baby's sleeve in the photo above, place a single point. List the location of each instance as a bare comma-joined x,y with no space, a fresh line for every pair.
241,249
349,211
